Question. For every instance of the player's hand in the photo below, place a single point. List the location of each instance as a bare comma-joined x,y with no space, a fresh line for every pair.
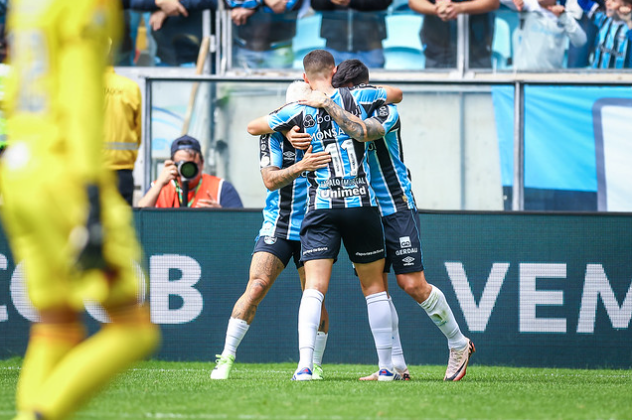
312,161
240,15
316,99
343,3
519,4
299,140
156,19
168,174
172,7
209,202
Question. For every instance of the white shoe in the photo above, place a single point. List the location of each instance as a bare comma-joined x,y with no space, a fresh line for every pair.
302,374
457,364
385,375
223,365
405,375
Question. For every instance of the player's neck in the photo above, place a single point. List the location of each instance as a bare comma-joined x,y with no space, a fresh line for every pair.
322,85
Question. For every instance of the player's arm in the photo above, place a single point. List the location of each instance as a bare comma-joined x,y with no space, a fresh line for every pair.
393,95
275,178
355,127
259,126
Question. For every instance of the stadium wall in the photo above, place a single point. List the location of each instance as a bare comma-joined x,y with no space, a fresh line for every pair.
530,289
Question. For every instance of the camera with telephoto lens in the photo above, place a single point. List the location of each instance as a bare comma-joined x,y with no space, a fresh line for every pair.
187,169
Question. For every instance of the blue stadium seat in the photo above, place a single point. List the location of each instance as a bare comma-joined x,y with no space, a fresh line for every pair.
307,38
402,47
501,45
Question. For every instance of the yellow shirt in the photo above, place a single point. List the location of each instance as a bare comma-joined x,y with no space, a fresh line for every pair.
55,92
122,121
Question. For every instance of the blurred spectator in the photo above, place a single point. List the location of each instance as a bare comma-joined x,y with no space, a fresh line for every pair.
612,48
122,129
540,41
178,33
126,53
263,32
439,31
354,29
578,57
199,190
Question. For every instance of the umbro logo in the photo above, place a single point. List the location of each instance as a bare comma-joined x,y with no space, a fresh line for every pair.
309,121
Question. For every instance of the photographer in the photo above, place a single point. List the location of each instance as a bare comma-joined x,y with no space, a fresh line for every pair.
203,190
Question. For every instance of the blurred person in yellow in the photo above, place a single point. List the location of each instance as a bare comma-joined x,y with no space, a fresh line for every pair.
122,129
64,218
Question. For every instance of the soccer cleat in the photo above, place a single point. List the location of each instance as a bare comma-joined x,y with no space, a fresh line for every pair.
223,365
317,374
302,374
457,365
405,375
386,375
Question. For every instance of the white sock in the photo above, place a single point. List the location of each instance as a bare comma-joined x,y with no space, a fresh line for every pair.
438,310
381,324
319,347
237,329
399,362
308,318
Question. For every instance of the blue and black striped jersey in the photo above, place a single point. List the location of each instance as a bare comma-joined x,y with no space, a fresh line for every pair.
285,207
344,183
612,49
390,178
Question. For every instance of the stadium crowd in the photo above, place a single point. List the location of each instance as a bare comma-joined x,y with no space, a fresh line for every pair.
531,35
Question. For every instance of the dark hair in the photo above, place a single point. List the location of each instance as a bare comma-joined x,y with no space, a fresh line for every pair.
351,71
318,62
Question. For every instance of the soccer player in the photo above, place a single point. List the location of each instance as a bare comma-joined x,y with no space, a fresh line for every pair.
341,206
64,217
391,182
283,170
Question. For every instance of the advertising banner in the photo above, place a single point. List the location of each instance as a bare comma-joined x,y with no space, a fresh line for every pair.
528,289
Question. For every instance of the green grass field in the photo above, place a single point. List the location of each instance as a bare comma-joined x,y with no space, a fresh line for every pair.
183,390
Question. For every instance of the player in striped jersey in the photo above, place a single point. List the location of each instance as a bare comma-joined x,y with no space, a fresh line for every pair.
283,170
390,180
341,207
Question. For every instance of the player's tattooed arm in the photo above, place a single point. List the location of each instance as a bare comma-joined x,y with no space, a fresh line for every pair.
275,178
355,127
361,130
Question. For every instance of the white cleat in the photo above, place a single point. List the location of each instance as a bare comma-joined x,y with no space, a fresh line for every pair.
385,375
302,374
405,375
457,364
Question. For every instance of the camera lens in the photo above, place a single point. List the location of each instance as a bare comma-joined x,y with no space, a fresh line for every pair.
187,170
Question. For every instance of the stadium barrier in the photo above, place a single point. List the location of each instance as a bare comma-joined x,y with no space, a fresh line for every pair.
530,289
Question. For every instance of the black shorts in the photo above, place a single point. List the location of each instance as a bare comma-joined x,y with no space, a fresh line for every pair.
360,229
283,249
403,244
